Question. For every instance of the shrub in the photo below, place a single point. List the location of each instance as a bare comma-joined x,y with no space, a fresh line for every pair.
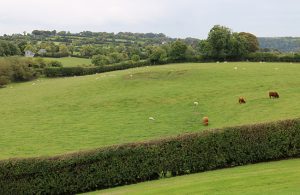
132,163
80,71
5,73
54,63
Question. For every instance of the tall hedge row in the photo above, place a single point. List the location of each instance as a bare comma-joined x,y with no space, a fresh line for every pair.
80,71
132,163
273,57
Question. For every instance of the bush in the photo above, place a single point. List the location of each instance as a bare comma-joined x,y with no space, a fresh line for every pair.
80,71
5,73
54,63
132,163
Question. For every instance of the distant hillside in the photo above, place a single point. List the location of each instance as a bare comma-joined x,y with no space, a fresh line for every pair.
283,44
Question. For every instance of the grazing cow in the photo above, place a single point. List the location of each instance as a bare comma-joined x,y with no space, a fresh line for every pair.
273,94
205,121
242,100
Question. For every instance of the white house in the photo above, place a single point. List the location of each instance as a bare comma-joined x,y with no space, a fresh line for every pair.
29,54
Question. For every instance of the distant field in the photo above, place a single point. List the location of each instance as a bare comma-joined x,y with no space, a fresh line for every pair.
72,61
281,177
53,116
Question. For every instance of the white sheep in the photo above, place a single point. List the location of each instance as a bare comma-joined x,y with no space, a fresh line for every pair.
196,103
151,118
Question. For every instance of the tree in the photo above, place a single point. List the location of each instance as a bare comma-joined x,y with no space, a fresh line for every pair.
135,58
238,47
252,44
5,73
178,51
63,50
219,41
87,50
116,57
158,55
30,48
100,60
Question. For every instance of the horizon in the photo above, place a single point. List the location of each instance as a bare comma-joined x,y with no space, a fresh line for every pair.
21,33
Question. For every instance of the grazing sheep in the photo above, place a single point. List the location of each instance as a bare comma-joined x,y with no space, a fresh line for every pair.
151,118
235,68
273,94
205,120
196,103
242,100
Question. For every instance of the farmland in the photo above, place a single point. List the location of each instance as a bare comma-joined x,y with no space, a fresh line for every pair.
54,116
71,61
281,177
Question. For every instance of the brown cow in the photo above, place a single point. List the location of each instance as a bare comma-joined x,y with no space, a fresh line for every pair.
273,94
205,121
242,100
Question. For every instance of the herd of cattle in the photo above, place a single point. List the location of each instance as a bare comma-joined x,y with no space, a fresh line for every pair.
272,94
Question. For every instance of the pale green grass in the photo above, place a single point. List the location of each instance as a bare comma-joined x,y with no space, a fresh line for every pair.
54,116
72,61
281,177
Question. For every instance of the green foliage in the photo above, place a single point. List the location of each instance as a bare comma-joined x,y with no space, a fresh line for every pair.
17,69
222,44
135,58
54,63
5,73
252,44
80,71
219,40
178,51
132,163
100,60
158,55
8,49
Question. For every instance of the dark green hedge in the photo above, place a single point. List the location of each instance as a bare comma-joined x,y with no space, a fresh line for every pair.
80,71
132,163
273,57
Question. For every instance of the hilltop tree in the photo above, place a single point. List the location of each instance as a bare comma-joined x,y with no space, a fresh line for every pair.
219,41
252,44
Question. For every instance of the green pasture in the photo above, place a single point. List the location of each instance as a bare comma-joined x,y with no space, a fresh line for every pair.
281,177
72,61
54,116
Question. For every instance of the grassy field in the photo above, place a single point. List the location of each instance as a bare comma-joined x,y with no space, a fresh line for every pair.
72,61
53,116
281,177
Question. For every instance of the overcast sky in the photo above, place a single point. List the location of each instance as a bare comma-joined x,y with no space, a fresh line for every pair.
175,18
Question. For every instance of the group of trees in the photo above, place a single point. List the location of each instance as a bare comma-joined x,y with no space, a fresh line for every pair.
22,69
223,44
109,48
9,49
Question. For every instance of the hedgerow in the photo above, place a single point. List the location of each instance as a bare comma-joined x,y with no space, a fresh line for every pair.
80,71
132,163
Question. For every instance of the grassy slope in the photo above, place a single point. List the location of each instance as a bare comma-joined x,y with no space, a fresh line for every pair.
71,61
66,114
281,177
